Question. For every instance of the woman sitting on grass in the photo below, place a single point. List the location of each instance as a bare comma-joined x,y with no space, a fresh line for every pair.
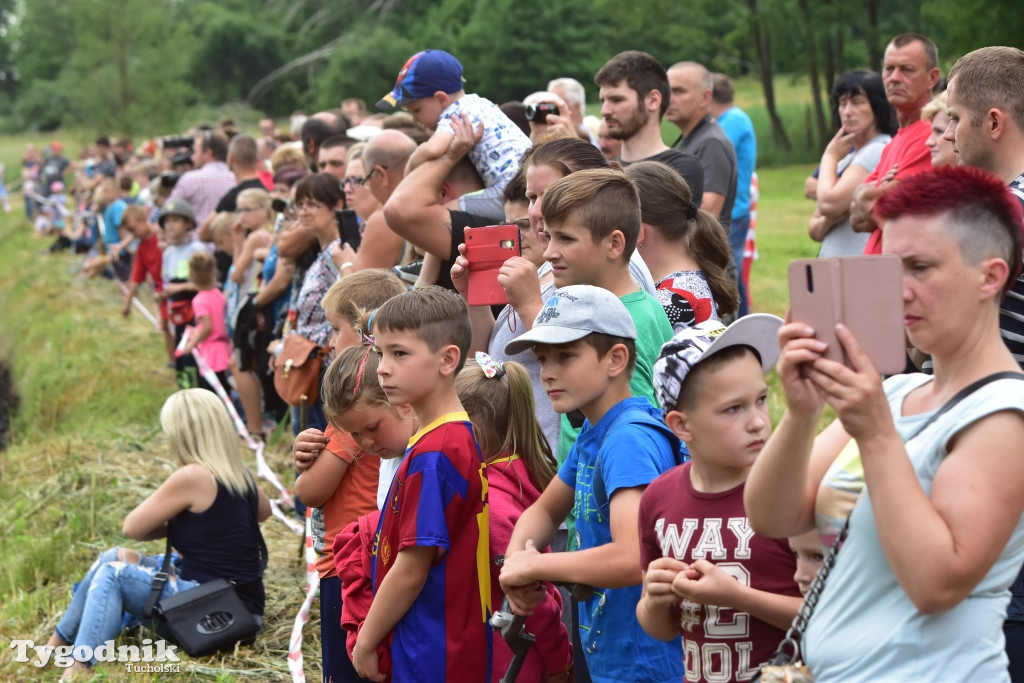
209,506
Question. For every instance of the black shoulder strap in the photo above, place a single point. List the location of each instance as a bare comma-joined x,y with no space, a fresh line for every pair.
964,393
160,577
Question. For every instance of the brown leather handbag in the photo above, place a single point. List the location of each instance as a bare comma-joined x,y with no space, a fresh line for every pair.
297,370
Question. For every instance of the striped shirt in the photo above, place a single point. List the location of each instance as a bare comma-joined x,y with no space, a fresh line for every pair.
1011,311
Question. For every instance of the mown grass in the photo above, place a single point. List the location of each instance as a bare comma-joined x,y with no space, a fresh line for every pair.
86,448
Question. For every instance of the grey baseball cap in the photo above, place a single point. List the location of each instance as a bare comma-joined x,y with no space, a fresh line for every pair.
692,345
572,313
178,207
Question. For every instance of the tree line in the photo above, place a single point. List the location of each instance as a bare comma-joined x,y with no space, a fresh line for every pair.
129,65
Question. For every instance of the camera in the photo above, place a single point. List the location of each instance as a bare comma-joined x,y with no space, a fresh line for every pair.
539,112
176,141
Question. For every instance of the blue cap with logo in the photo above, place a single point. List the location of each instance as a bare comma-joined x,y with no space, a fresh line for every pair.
424,74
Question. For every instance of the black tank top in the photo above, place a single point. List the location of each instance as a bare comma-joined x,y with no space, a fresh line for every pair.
222,543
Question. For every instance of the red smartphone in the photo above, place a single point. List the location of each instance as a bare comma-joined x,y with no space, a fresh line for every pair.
865,293
486,250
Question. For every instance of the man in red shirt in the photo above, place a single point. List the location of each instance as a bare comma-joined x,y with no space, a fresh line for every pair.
910,71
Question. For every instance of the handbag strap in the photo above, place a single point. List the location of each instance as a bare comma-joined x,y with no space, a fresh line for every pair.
964,393
160,577
803,616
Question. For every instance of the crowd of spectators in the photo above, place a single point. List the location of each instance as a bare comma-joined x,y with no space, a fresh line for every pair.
254,244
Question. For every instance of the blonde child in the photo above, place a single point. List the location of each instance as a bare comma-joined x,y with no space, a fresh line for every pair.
210,332
809,552
355,405
518,465
342,485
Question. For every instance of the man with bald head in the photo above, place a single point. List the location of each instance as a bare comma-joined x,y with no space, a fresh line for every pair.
689,108
384,160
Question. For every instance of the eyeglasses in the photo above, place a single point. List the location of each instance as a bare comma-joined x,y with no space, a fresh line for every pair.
353,180
309,206
370,175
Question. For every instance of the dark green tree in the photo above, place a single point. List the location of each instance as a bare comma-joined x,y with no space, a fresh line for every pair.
124,72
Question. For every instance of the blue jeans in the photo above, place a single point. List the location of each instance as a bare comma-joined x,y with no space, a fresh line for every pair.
111,588
737,241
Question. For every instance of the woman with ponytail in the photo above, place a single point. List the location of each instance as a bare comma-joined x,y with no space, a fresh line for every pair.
518,466
685,247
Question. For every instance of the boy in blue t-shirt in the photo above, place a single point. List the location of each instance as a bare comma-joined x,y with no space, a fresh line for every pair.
585,340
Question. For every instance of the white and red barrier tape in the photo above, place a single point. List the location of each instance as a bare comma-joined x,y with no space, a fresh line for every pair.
295,660
140,306
295,663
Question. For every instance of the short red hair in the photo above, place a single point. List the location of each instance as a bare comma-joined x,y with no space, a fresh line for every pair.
974,198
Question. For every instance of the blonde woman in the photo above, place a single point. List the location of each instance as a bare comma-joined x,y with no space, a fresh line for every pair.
942,150
209,506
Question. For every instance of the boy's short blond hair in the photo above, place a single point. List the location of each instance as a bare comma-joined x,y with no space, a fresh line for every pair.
362,290
602,200
435,315
222,223
134,212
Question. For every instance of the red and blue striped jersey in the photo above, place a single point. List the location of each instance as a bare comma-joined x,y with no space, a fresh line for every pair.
439,499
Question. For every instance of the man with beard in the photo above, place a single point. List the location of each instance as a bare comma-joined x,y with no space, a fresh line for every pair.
634,97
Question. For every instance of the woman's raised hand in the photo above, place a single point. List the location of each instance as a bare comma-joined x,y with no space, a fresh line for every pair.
799,349
856,395
840,145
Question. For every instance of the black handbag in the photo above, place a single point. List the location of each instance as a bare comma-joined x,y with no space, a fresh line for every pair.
206,619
